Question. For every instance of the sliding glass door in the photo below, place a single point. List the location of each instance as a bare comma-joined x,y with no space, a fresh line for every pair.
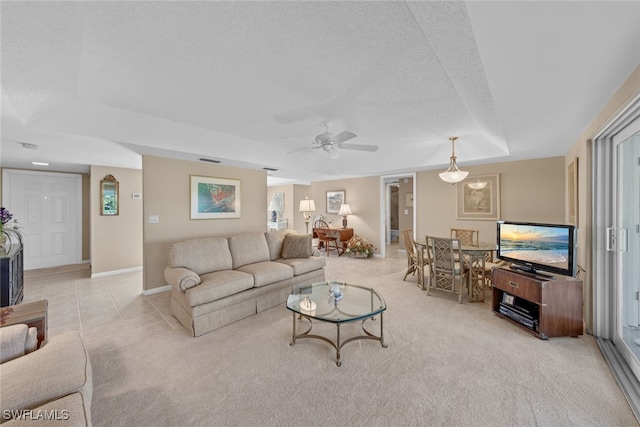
615,248
625,242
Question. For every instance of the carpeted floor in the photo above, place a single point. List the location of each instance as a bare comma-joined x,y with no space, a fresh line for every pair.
446,364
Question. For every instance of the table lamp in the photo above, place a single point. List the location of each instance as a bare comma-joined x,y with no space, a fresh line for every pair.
306,207
344,211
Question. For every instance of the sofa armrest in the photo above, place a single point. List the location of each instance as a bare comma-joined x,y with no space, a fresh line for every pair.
181,278
16,341
59,368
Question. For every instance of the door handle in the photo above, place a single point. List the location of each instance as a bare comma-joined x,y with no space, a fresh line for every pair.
611,239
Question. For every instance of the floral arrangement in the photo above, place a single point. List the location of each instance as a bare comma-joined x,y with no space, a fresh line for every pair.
5,218
360,245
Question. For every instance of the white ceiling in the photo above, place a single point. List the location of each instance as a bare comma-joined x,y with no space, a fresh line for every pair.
101,83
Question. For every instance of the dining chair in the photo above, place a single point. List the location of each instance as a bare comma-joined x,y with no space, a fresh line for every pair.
466,237
324,236
413,263
445,268
490,264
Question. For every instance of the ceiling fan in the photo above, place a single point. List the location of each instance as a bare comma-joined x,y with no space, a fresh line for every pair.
331,143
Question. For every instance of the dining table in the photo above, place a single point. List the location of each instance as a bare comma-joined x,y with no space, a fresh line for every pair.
473,256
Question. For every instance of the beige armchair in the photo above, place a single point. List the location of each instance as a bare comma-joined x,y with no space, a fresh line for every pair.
16,341
54,379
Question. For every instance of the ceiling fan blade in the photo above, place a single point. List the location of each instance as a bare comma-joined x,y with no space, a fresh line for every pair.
345,135
358,147
302,149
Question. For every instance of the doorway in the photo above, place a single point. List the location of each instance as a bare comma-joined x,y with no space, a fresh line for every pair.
397,207
48,206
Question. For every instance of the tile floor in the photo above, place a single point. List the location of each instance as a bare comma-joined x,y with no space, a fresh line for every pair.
114,305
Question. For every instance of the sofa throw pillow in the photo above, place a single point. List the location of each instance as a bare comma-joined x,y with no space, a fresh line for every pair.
296,246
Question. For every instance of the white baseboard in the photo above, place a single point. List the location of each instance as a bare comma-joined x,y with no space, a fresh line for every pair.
156,290
114,272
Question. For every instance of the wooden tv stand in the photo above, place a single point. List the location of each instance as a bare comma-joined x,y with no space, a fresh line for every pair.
559,301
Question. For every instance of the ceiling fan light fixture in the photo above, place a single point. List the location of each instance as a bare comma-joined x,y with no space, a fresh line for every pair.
453,174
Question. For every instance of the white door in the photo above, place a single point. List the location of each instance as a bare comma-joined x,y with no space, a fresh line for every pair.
49,208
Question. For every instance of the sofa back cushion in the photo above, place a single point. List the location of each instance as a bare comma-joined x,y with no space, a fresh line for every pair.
275,240
248,248
201,256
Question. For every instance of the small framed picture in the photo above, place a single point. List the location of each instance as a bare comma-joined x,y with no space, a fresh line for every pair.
408,200
334,200
508,299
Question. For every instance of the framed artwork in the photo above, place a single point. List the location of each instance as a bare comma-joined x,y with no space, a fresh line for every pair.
479,203
572,180
334,200
214,198
408,200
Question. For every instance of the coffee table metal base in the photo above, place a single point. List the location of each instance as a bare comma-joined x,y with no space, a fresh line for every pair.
337,344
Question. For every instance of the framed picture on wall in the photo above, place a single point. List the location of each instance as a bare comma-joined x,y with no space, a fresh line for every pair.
478,198
214,198
408,200
334,200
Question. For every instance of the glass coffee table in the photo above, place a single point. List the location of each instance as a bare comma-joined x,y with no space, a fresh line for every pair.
338,303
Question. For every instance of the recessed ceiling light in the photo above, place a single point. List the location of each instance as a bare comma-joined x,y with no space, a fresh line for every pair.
29,146
40,163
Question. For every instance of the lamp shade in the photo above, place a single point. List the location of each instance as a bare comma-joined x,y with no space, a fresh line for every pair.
345,209
307,205
477,184
453,176
272,206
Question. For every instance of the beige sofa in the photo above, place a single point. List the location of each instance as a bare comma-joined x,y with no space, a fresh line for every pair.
219,280
49,386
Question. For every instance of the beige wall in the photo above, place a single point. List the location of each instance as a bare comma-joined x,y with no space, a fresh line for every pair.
405,219
116,241
530,190
166,193
581,151
363,197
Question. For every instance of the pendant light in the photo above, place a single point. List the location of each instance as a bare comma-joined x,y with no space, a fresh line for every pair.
477,184
453,174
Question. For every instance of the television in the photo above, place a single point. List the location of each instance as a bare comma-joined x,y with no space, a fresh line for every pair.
538,248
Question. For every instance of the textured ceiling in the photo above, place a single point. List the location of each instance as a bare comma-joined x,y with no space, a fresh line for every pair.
249,82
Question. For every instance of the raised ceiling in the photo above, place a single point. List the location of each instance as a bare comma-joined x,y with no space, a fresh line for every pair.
247,83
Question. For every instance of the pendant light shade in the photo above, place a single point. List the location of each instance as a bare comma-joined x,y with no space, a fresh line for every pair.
477,184
453,174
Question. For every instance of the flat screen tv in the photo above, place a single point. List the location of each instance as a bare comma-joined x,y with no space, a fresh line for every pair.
536,248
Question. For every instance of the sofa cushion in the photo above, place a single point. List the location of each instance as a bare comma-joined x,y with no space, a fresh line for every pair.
296,246
201,256
274,241
265,273
218,284
248,248
304,265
